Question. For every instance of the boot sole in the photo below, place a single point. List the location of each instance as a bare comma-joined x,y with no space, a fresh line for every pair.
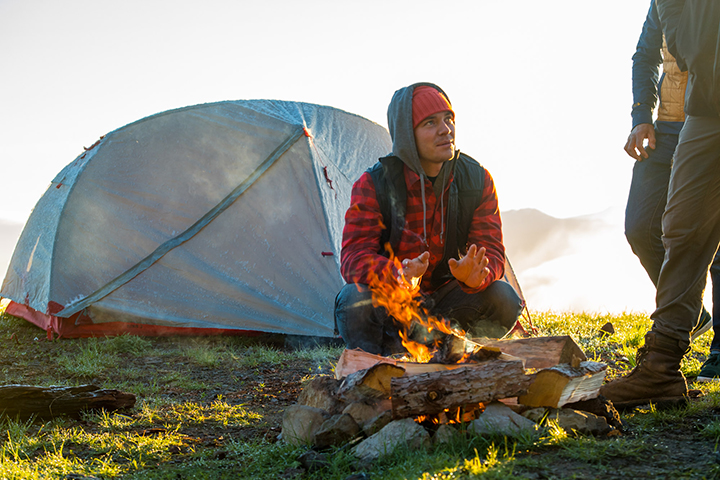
660,403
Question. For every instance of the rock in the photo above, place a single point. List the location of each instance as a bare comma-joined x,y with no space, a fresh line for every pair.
445,434
337,430
537,415
400,432
607,329
572,420
602,407
500,419
320,392
301,422
377,423
291,473
361,412
582,422
313,460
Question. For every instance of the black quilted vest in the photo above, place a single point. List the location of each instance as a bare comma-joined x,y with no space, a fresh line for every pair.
465,195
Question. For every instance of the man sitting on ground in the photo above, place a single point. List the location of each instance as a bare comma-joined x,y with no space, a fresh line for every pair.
436,210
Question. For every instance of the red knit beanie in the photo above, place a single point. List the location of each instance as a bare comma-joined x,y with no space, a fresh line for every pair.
427,101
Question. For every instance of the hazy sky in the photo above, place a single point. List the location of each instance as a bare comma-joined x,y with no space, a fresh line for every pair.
541,90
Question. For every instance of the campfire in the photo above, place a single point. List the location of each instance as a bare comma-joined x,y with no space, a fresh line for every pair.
444,381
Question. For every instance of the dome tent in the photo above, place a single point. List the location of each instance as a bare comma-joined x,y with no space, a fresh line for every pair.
215,218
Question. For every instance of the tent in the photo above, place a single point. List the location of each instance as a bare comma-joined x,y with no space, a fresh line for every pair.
217,218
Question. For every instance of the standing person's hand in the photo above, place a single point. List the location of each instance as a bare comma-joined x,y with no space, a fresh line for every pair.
415,267
472,268
635,142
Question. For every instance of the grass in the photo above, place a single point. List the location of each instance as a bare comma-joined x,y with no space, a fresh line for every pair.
211,408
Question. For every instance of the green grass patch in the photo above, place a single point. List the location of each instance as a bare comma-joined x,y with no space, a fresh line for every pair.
88,361
204,410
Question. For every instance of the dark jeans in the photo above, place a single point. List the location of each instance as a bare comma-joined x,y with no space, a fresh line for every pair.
490,313
691,230
643,218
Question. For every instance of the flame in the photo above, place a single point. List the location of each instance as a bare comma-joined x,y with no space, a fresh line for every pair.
452,416
418,352
401,297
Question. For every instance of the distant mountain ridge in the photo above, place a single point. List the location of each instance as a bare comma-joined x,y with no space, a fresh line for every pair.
532,237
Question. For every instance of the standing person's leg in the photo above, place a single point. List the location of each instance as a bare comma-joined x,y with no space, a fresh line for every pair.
490,313
691,233
710,370
691,229
644,211
646,204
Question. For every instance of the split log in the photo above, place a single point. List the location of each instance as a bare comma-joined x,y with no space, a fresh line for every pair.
540,352
26,401
370,384
432,392
352,361
561,384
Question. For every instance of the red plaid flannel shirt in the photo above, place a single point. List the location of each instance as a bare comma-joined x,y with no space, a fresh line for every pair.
363,225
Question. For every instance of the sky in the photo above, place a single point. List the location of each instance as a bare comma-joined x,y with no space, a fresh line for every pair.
541,90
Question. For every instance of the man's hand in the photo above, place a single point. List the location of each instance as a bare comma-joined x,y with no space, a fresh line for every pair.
634,145
416,267
472,268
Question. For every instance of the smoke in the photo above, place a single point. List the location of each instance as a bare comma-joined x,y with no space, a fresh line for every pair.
576,264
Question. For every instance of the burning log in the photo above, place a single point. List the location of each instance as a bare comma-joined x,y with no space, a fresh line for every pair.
456,349
353,360
432,392
536,352
541,352
562,384
25,401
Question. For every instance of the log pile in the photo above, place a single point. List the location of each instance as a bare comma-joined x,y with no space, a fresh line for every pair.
370,394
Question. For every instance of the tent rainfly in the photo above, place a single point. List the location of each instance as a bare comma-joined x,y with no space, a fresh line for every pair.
211,219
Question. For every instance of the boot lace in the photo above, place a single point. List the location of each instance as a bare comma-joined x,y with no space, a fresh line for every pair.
641,353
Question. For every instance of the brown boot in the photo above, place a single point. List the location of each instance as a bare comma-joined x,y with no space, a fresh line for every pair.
657,376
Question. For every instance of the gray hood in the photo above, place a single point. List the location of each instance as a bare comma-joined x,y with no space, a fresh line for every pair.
403,137
401,128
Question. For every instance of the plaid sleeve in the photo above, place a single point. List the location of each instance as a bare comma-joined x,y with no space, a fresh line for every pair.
359,258
486,231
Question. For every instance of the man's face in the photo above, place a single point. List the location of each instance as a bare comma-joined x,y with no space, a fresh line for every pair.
435,141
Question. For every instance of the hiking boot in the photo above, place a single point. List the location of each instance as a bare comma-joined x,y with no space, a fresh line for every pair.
704,324
710,370
657,375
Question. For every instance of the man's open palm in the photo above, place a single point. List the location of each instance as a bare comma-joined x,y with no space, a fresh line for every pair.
472,268
416,267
